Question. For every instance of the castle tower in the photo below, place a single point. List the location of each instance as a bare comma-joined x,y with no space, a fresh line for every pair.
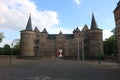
77,42
85,41
117,22
27,40
95,40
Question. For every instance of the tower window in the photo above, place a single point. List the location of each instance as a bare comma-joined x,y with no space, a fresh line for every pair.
37,41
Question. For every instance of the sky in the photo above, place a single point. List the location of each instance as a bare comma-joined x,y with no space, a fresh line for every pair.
54,15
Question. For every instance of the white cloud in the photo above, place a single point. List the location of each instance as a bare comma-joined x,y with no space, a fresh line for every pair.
14,15
46,19
77,2
106,34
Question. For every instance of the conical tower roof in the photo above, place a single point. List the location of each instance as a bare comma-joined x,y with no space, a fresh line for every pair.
93,23
29,24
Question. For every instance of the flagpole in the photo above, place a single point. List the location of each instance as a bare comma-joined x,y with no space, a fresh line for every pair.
12,46
98,54
11,53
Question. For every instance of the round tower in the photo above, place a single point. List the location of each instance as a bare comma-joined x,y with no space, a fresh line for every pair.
95,43
95,40
27,40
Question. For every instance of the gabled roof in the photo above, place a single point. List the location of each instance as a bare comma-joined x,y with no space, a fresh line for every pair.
44,30
29,24
36,29
93,23
60,32
85,28
77,29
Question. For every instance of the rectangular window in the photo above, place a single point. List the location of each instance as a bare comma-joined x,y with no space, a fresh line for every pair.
37,41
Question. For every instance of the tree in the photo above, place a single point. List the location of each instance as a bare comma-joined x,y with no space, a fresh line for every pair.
6,49
110,46
16,46
1,51
1,36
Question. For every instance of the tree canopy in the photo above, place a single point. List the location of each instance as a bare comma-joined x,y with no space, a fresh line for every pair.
110,46
14,48
6,49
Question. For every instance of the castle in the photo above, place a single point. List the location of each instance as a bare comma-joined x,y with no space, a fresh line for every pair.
87,43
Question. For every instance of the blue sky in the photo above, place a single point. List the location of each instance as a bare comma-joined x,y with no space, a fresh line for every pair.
54,15
72,14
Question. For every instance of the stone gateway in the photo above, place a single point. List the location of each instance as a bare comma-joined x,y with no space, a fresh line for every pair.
87,42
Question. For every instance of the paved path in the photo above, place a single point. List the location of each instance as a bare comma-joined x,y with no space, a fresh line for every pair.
60,70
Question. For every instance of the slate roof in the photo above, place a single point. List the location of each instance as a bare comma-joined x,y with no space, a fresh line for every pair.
52,36
67,36
29,24
93,23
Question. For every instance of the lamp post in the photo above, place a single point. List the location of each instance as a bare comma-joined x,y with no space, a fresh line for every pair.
14,42
11,53
98,54
78,50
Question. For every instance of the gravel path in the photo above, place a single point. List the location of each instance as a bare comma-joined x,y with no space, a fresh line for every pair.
59,69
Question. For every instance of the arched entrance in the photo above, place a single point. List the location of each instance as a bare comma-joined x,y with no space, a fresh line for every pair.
60,50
